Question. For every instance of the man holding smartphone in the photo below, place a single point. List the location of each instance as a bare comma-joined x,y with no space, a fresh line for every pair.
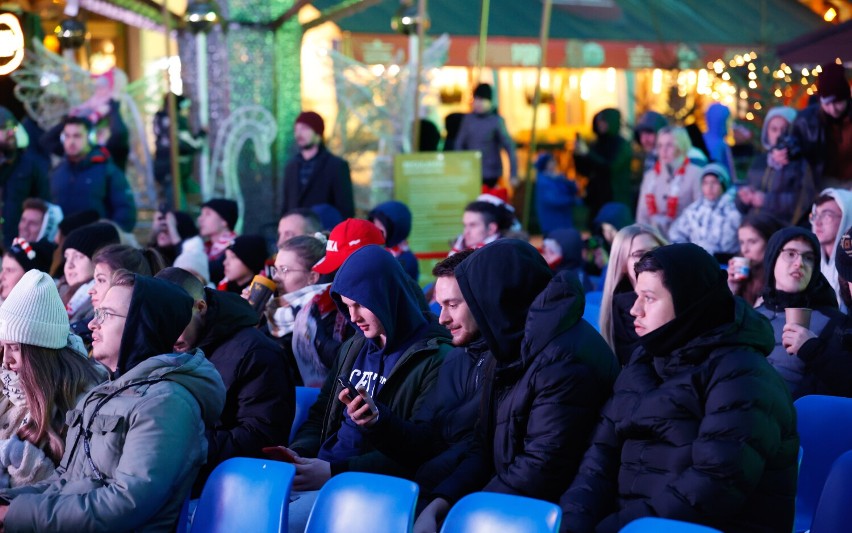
394,357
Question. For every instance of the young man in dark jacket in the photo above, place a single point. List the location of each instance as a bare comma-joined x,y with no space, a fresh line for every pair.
551,373
436,439
394,358
700,427
261,395
314,175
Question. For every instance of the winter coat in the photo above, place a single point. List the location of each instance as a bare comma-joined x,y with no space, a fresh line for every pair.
810,129
396,218
685,185
434,441
330,183
374,279
607,164
260,401
22,178
714,138
711,225
788,191
21,462
828,360
96,183
148,443
705,434
486,133
552,372
555,197
624,337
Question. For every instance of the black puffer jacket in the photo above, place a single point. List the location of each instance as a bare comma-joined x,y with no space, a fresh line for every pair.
706,434
261,395
551,375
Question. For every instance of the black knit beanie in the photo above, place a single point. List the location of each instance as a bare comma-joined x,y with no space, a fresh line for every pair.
89,239
227,209
32,255
251,250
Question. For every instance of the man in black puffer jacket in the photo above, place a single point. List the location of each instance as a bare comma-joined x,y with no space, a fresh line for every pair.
551,374
700,427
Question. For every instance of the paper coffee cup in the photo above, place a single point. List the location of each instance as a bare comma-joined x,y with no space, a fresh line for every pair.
741,267
261,289
798,315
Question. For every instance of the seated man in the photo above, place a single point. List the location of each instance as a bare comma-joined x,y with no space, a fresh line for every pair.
700,427
260,401
134,443
551,374
394,357
484,221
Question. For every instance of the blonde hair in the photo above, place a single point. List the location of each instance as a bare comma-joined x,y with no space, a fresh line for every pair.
679,136
617,271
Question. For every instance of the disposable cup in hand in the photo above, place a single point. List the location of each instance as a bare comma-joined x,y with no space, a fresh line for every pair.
798,315
261,289
741,267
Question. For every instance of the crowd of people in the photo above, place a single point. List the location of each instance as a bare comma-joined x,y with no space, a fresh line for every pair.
131,371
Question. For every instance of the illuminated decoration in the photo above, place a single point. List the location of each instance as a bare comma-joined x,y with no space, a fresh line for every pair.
406,19
248,123
200,16
11,43
71,33
130,12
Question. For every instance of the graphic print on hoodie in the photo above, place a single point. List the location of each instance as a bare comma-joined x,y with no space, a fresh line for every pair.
373,278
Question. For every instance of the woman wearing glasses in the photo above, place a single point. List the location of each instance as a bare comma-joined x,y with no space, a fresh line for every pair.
616,324
45,371
793,280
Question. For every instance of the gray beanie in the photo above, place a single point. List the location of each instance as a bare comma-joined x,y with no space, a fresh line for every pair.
33,313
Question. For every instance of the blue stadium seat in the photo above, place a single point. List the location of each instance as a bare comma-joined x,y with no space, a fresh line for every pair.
834,512
305,398
593,308
357,502
244,494
664,525
825,433
487,512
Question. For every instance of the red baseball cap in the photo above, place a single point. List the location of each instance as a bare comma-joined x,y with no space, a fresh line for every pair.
345,238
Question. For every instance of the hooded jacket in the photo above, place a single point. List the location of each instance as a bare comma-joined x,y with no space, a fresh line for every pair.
844,202
373,278
551,374
147,437
94,182
700,428
607,164
260,399
396,218
571,243
817,296
812,128
714,138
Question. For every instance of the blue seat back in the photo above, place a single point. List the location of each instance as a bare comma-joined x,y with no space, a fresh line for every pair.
825,433
659,525
244,494
357,502
486,512
834,510
305,398
593,309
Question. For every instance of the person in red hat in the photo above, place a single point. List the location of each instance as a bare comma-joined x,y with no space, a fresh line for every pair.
314,175
824,130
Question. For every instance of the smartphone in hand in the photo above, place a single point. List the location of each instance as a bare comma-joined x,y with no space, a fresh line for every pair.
279,453
346,384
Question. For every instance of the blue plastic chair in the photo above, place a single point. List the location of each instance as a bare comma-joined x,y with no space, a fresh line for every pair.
593,309
244,494
357,502
306,397
660,525
834,512
825,433
486,512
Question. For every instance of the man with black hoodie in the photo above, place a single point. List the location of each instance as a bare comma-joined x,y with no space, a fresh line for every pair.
700,427
551,373
134,443
261,395
394,358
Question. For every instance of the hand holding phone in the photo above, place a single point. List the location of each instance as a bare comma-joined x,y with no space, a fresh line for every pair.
279,453
346,384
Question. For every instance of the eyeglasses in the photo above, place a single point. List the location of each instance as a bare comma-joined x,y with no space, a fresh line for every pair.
101,314
284,271
789,256
817,217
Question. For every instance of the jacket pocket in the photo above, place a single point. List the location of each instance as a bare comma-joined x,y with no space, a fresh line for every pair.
106,442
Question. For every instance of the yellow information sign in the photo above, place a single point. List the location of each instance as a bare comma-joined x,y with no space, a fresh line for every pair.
436,186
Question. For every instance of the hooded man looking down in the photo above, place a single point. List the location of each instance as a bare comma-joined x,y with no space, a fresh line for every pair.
134,443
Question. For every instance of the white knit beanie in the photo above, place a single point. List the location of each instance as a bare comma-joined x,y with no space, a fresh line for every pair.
34,314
